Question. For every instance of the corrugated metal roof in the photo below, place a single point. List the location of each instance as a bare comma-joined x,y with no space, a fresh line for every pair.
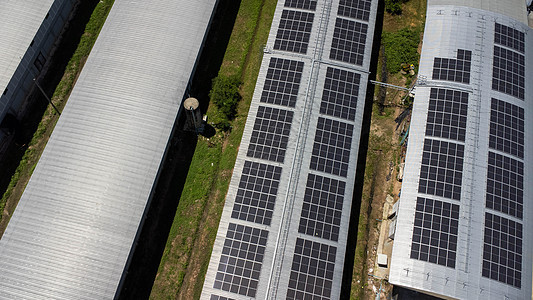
511,8
449,28
75,224
19,22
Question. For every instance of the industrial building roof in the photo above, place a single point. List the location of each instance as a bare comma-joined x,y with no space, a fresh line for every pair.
465,205
77,220
283,231
19,23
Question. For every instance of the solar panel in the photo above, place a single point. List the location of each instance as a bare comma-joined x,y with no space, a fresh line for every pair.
216,297
282,82
322,207
349,39
241,260
509,37
357,9
435,232
303,4
502,250
442,169
331,150
508,72
312,271
507,128
294,31
270,134
447,114
505,185
257,193
457,70
339,98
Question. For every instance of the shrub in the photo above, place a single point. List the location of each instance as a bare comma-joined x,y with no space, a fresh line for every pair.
394,7
401,47
225,94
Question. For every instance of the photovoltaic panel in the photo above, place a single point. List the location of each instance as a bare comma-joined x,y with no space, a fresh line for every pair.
457,70
282,82
270,134
442,169
349,40
505,185
312,271
507,128
509,37
257,192
216,297
241,260
502,250
303,4
294,31
339,98
447,114
357,9
322,207
508,72
331,150
435,232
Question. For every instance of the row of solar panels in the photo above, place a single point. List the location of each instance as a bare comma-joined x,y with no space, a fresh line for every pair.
257,228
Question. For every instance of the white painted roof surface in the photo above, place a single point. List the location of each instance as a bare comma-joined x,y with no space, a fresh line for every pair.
515,9
75,224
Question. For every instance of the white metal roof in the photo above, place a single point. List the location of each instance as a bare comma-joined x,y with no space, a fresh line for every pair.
19,22
449,28
515,9
75,224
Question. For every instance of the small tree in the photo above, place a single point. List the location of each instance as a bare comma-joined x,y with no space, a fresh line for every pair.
225,94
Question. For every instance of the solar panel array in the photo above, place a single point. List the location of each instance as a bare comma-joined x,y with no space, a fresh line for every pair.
505,185
270,134
282,82
312,270
442,169
447,114
508,72
296,140
357,9
294,31
349,40
216,297
241,260
509,37
257,192
339,97
507,128
457,70
502,250
435,232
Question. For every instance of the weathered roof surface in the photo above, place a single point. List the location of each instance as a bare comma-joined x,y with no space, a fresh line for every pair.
75,224
515,9
465,213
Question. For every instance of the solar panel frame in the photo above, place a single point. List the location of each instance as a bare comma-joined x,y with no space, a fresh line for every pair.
322,207
509,37
435,232
349,41
356,9
241,260
312,270
282,82
294,31
340,93
457,70
441,171
270,134
331,148
507,128
505,185
502,250
447,114
508,72
256,195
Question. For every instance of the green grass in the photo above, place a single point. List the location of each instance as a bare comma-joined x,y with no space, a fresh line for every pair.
213,161
61,93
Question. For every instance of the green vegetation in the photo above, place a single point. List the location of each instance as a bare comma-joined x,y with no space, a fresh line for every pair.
62,91
394,6
401,47
186,256
225,95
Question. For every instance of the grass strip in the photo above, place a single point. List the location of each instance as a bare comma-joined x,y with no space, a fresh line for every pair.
30,158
